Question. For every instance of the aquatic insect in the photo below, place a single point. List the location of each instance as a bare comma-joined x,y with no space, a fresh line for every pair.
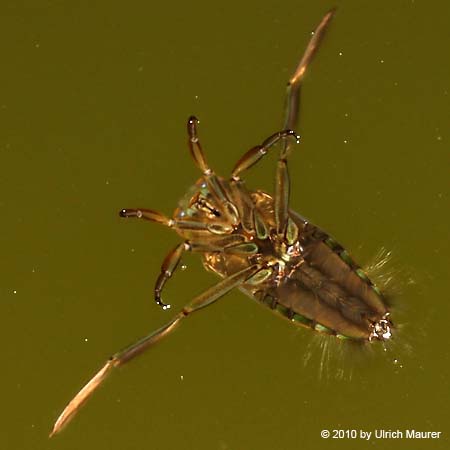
254,241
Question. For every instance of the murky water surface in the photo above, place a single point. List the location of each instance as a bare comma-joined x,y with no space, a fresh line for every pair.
93,107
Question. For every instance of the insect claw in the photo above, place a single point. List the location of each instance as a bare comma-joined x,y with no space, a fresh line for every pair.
193,120
130,213
164,306
192,128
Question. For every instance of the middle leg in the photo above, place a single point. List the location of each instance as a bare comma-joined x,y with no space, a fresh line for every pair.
254,155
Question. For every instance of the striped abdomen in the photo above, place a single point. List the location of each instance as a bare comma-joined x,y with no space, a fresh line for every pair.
329,292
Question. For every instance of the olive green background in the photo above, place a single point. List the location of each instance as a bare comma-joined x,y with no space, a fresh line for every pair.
94,98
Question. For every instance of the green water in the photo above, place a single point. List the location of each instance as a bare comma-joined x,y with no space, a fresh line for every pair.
93,105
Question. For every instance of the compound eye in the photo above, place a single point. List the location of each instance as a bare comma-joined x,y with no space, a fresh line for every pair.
203,205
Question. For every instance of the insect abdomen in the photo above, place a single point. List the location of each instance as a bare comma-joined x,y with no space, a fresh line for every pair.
328,291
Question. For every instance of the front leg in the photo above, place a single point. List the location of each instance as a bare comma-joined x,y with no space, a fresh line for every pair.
168,267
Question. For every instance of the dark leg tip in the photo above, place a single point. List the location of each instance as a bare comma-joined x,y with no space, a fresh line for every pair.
164,306
192,126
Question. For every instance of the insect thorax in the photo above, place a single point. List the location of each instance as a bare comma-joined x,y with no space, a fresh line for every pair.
237,235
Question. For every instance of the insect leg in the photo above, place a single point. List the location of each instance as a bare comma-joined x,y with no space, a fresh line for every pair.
201,301
168,266
154,216
214,184
252,156
282,184
241,248
293,86
282,176
147,214
244,204
282,188
195,147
